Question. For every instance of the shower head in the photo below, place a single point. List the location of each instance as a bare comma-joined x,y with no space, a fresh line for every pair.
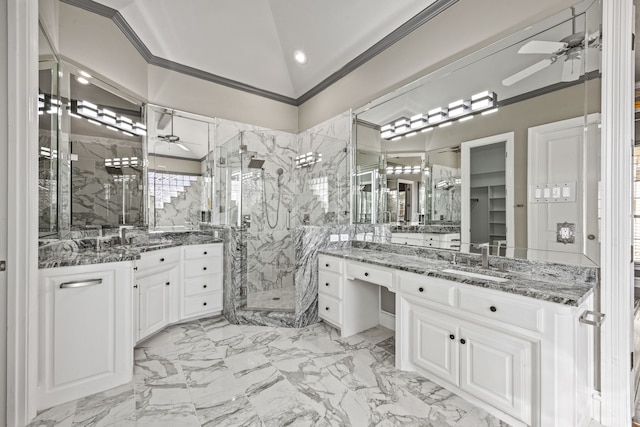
255,164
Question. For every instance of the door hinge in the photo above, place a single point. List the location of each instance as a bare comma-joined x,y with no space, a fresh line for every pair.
3,265
632,360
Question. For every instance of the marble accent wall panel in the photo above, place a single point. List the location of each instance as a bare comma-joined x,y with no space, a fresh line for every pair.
308,241
102,194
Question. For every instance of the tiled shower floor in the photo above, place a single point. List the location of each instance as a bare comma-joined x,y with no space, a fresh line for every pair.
274,299
211,373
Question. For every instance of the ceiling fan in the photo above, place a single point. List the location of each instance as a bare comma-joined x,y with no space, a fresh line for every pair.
170,138
570,49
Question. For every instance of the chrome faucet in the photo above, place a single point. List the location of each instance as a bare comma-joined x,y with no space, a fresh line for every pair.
388,213
484,249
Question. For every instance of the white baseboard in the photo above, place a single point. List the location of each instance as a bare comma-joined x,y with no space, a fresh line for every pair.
388,320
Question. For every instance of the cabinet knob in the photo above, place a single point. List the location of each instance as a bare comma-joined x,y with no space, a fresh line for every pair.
326,265
326,308
204,286
462,341
168,283
453,337
421,289
135,286
161,259
204,268
205,252
366,274
326,284
493,308
204,303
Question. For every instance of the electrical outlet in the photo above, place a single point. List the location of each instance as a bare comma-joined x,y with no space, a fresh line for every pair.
344,237
334,238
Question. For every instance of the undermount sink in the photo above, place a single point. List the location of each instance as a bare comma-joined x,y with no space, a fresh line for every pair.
476,275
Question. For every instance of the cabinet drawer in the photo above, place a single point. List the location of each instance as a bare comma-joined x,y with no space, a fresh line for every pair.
157,259
429,288
370,273
200,267
506,309
203,284
330,284
202,304
330,263
330,309
203,251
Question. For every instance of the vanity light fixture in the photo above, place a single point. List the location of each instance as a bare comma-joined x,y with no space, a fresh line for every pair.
100,115
94,122
85,74
493,110
82,80
460,110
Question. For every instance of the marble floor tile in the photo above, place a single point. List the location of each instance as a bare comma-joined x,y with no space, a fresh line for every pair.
212,373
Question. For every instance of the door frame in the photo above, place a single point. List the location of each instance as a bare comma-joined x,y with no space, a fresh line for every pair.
465,164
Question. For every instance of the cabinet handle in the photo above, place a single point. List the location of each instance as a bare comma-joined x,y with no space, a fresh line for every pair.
204,286
135,286
326,265
161,259
453,337
366,274
462,341
326,284
204,303
205,252
80,283
168,283
326,308
493,308
420,289
204,268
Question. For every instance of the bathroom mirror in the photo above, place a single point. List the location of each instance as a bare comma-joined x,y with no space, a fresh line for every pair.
525,92
179,169
48,133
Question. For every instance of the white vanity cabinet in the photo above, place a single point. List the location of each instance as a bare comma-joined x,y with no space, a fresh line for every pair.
157,287
526,361
84,330
202,280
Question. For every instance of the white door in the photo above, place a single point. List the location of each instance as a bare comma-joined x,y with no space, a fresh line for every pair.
508,203
564,157
154,302
496,368
434,338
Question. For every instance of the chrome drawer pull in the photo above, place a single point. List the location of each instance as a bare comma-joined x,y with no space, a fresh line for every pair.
597,320
80,283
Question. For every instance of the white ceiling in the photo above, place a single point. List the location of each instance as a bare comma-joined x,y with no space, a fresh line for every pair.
252,42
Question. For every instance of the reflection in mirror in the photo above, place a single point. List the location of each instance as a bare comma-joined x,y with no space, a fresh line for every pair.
48,134
179,173
540,194
105,146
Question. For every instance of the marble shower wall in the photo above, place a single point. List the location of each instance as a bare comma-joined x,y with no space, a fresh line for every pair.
98,193
324,187
446,201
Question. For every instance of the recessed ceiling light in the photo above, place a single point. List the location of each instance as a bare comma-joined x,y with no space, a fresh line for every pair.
300,57
85,74
82,80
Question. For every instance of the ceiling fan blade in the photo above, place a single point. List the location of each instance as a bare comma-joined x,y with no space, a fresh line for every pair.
179,144
542,47
538,66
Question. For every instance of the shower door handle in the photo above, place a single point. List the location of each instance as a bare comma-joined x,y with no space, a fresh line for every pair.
246,221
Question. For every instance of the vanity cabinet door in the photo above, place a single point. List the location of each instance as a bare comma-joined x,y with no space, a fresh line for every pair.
435,342
497,368
84,331
154,302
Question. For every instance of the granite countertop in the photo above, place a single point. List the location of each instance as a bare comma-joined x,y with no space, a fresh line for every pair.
567,292
65,253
